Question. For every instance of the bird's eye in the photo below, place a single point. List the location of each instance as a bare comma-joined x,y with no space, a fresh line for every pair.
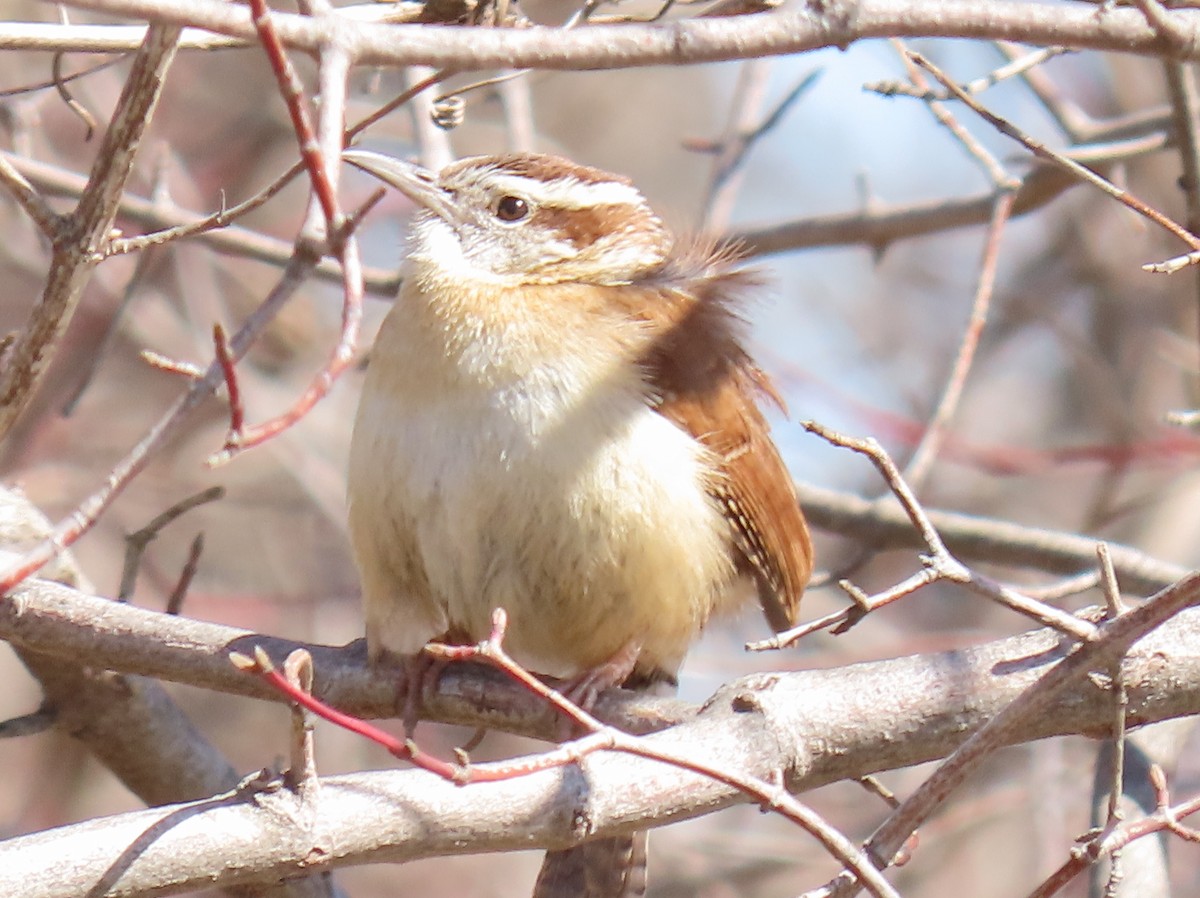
511,208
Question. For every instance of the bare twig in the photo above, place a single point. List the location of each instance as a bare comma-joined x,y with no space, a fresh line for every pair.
940,564
749,94
49,222
976,150
998,542
1112,598
79,243
211,229
927,450
85,516
1114,640
136,543
219,219
1185,108
186,575
1112,840
1021,61
80,111
144,264
61,79
1040,150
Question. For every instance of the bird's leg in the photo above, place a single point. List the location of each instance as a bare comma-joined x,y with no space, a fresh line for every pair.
584,688
422,670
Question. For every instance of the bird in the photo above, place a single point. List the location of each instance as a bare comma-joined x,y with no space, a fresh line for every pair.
559,418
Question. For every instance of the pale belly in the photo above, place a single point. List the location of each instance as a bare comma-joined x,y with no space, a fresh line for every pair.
596,533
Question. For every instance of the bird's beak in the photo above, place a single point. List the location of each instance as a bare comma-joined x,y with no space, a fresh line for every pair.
417,183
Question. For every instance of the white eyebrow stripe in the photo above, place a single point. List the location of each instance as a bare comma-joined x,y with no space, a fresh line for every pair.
568,192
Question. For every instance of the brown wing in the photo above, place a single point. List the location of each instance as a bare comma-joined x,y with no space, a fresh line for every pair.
705,383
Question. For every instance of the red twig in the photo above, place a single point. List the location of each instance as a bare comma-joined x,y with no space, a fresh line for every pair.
293,95
317,163
79,522
237,414
407,750
342,358
600,737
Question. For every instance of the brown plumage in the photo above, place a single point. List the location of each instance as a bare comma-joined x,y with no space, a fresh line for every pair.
707,384
560,419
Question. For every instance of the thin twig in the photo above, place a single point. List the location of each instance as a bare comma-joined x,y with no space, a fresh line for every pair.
186,574
921,463
1112,598
1070,586
141,267
237,411
940,564
749,94
1040,150
742,135
77,247
49,222
1076,124
1020,62
976,150
1107,842
219,219
62,79
78,109
136,542
1114,640
1185,108
68,530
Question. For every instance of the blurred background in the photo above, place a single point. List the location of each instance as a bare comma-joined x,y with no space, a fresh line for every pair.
1061,424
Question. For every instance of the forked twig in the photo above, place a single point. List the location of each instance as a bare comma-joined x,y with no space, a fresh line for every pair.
1042,151
1113,641
939,564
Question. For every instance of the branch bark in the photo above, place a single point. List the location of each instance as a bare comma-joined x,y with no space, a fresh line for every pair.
80,237
815,726
810,27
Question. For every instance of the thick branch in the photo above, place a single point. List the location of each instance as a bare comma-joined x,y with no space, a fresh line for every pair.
837,24
885,525
881,226
816,726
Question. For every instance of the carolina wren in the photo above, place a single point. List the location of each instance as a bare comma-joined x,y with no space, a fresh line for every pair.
559,419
